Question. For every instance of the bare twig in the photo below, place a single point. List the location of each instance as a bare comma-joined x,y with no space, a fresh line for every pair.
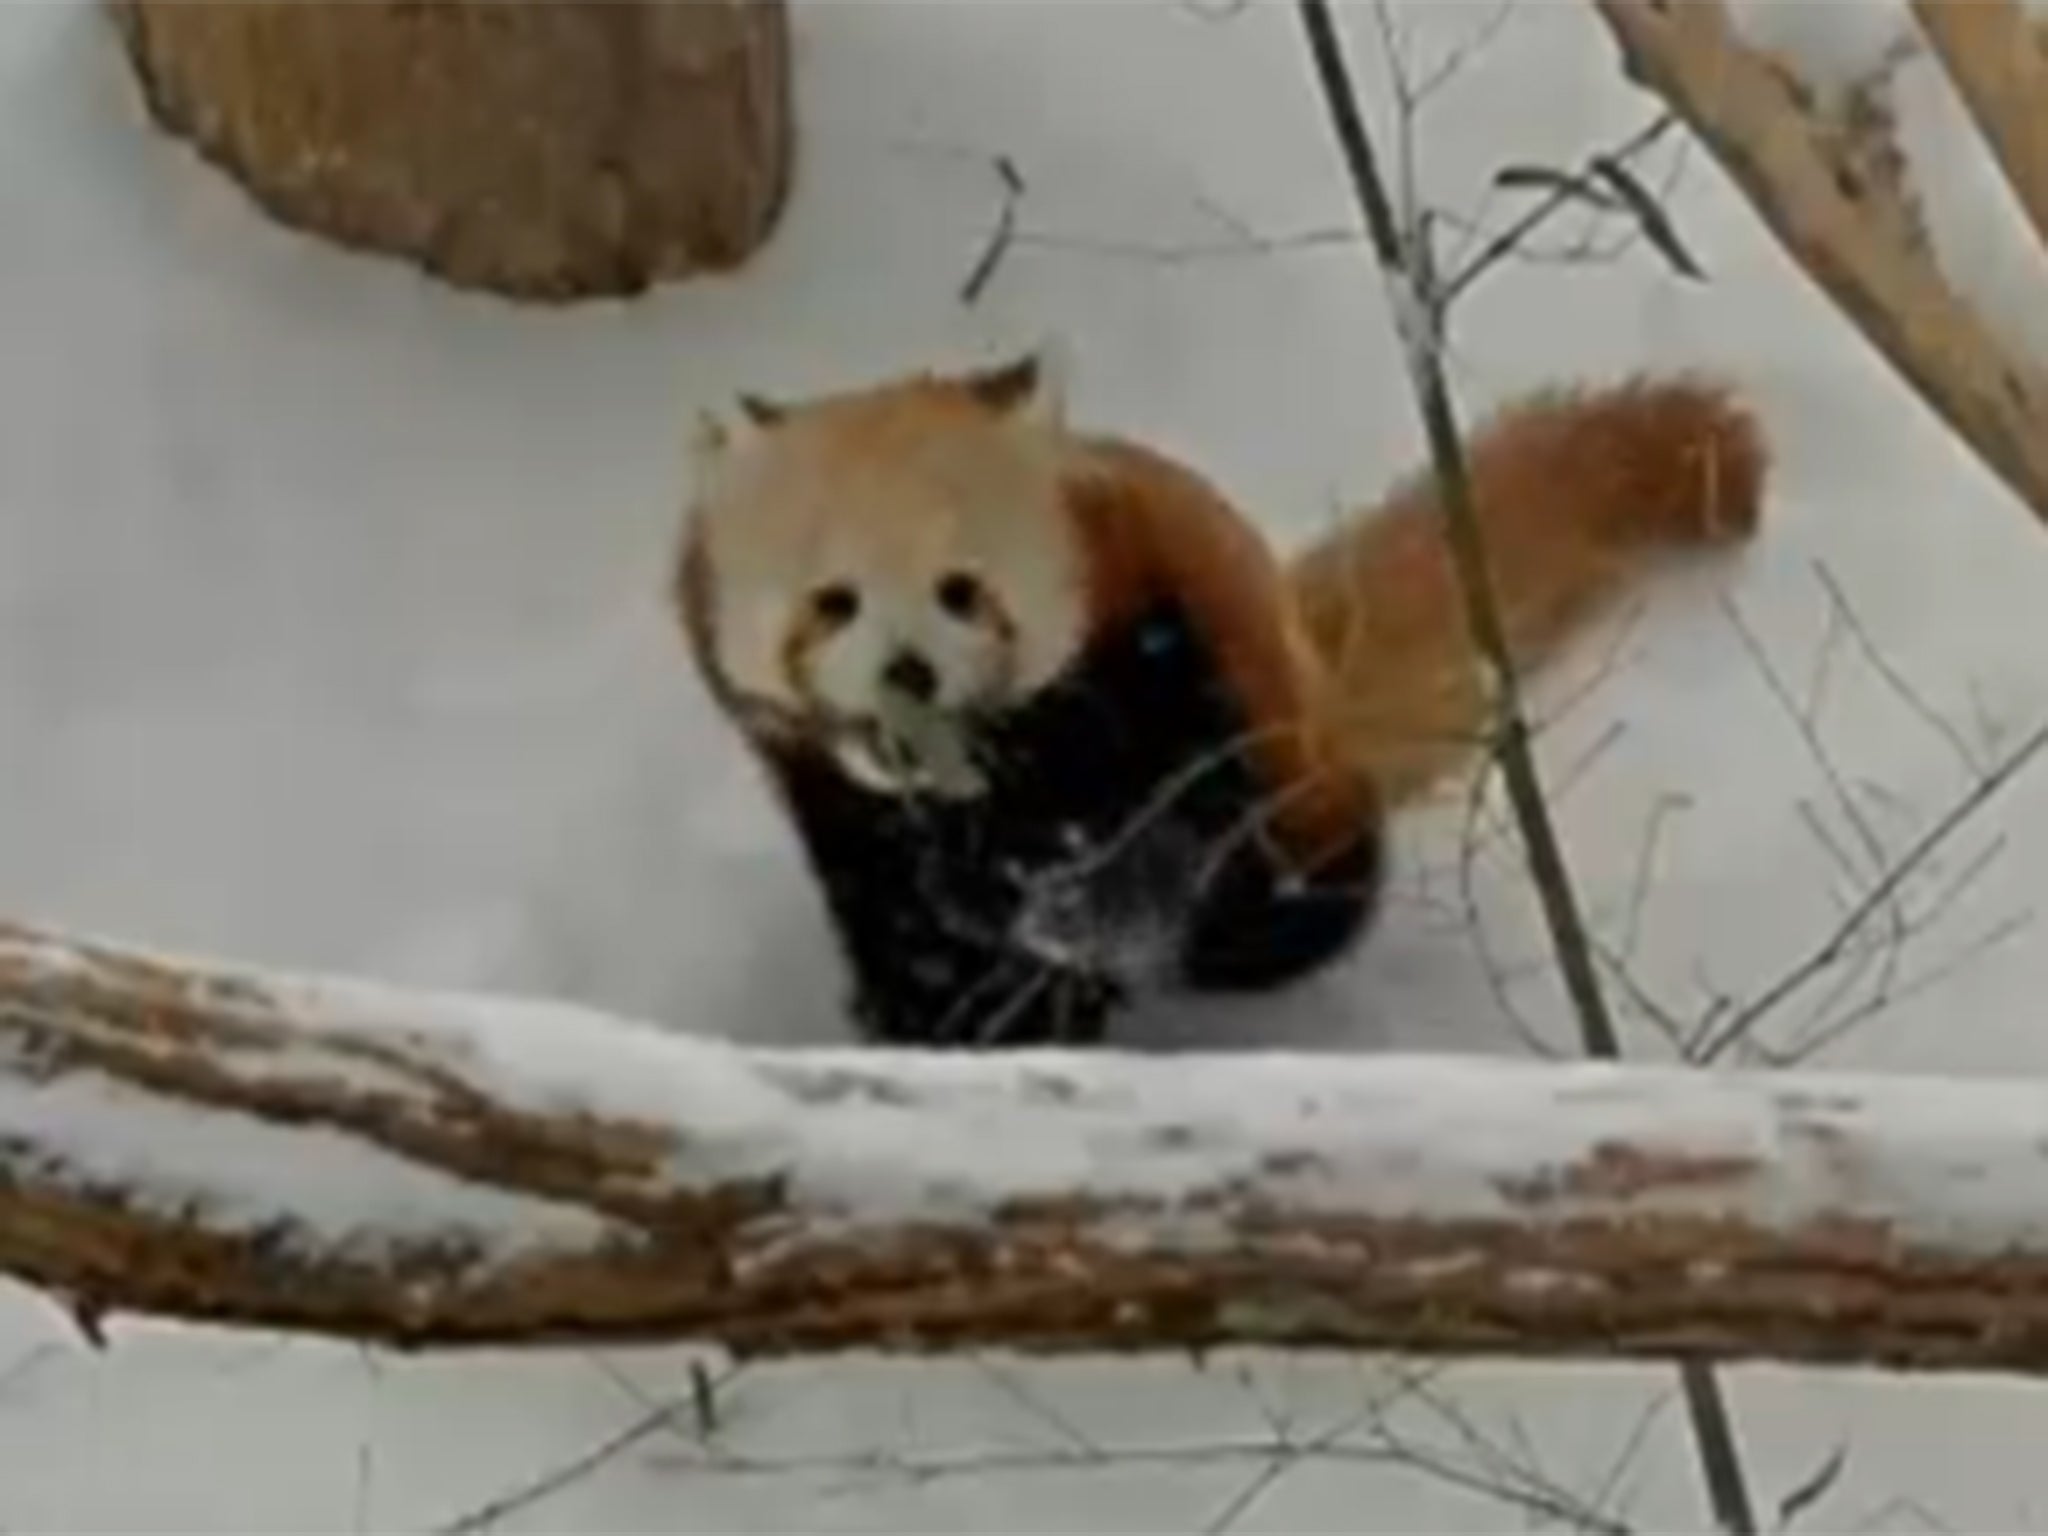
1813,1487
1163,254
1804,723
1838,941
1215,11
1713,1433
1903,1506
1861,976
580,1468
1419,307
1498,972
21,1366
1631,1449
1366,1437
1000,237
1819,1037
1662,809
1852,622
1036,1407
1515,1477
1561,195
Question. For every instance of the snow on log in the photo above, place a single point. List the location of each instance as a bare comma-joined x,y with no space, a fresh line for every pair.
339,1157
546,150
1836,197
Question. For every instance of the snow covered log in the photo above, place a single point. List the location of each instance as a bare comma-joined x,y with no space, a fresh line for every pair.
339,1157
1837,198
549,149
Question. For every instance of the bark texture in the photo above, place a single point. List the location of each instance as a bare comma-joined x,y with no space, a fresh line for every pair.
544,149
1828,185
1997,55
169,1135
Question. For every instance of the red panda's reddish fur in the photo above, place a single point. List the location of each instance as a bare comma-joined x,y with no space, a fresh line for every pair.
1576,492
1154,528
1351,661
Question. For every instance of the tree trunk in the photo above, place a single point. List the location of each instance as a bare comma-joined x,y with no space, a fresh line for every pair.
348,1159
1997,56
1828,184
545,149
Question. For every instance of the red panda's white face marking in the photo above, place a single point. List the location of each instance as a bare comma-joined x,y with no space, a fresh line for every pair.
887,562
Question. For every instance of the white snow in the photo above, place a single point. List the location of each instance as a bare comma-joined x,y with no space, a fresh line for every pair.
1980,233
331,638
1832,44
240,1173
942,1140
869,1140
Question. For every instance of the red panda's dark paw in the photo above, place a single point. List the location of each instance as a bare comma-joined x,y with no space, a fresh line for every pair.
1039,1007
1262,926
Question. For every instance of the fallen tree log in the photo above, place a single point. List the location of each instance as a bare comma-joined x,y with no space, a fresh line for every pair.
196,1142
1851,230
546,150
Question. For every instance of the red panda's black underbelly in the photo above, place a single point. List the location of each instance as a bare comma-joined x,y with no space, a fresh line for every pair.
1119,849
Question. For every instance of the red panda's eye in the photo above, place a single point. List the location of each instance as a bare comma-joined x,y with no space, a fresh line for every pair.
835,603
958,593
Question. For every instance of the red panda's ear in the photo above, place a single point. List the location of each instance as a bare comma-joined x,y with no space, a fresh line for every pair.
1006,386
709,439
1027,388
761,411
714,437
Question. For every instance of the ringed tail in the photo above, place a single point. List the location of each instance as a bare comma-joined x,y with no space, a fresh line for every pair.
1577,494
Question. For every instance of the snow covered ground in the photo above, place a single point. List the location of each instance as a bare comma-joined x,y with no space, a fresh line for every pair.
331,637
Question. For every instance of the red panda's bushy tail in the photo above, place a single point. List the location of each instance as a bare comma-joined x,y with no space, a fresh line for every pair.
1577,493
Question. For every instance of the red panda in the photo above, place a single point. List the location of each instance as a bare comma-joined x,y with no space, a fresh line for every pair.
1054,724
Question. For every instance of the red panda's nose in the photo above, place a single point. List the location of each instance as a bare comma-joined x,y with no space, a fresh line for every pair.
912,676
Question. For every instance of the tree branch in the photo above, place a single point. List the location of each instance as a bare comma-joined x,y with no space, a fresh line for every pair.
1419,303
1992,52
1418,313
1850,230
416,1170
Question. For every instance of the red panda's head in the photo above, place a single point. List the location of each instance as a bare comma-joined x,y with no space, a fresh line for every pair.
885,563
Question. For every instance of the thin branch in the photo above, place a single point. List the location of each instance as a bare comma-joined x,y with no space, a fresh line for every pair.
1364,1437
1832,948
1641,883
1561,195
1157,253
576,1470
1713,1433
1631,1450
1903,1505
580,1468
1491,1469
1814,1487
1818,1038
1418,308
1000,237
1852,622
1809,733
1037,1408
